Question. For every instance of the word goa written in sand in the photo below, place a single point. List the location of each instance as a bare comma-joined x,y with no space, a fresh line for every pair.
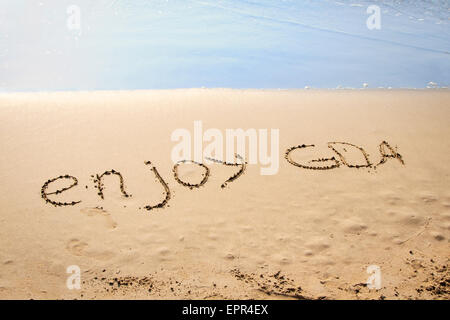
339,159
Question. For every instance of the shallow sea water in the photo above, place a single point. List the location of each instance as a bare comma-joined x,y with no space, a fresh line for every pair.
162,44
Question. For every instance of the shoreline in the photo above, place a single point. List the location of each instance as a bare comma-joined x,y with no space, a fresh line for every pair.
439,89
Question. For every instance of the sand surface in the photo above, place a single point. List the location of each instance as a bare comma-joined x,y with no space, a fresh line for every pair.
300,233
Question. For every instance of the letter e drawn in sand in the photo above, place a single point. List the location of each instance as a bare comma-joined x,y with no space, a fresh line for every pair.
45,194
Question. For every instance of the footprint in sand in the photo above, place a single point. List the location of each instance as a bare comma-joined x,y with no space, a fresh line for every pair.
81,248
76,247
428,198
317,245
96,212
354,226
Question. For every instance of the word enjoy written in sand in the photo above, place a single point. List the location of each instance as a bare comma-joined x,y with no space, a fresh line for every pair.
386,153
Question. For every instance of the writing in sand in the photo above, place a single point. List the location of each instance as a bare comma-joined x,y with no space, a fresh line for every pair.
337,160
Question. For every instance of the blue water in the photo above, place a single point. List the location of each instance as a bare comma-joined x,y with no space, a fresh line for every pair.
156,44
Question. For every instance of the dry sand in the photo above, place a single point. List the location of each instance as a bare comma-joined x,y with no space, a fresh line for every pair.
298,234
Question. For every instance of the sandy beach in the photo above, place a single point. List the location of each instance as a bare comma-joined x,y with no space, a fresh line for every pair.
378,195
